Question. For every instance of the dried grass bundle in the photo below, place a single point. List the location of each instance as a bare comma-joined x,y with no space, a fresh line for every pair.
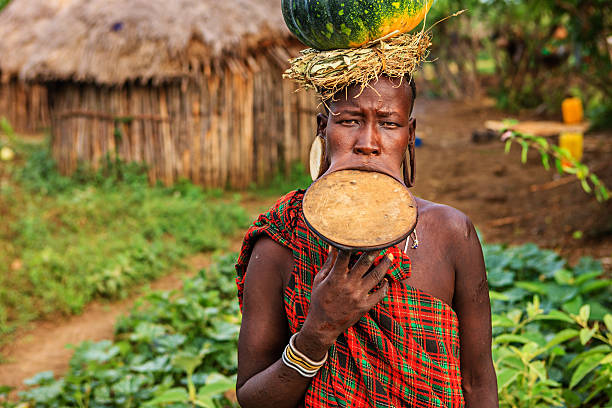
330,71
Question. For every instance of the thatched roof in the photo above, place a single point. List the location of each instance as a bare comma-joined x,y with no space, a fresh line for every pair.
113,41
20,23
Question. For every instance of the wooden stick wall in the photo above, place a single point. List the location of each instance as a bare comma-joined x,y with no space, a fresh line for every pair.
227,130
25,106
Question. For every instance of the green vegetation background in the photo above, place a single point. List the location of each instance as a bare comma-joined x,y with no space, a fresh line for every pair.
526,54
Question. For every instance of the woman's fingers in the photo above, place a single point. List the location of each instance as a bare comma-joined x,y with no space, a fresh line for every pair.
375,297
341,262
374,277
327,265
364,263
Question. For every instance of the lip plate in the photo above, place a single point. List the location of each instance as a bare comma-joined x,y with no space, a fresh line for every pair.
360,248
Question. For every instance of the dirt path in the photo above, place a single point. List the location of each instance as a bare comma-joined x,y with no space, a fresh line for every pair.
42,347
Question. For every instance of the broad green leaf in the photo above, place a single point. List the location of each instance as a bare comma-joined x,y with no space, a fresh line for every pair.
535,287
570,170
216,384
41,378
564,277
512,361
511,338
187,361
562,337
607,359
555,315
499,278
205,402
541,141
585,186
602,349
533,308
493,295
524,151
573,306
588,276
584,368
545,161
586,335
584,313
170,396
539,369
505,377
558,166
501,321
595,285
608,322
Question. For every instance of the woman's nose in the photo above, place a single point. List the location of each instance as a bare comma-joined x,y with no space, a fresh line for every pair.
367,143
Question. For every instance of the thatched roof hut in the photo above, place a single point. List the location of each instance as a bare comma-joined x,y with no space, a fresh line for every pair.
191,87
24,105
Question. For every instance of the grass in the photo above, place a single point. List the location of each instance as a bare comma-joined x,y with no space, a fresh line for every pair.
298,178
65,241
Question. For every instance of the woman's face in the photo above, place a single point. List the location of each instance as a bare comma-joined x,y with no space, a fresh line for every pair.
371,131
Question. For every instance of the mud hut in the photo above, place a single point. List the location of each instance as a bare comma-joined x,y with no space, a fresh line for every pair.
23,104
192,88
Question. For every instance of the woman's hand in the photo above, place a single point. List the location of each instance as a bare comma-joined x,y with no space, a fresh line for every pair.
339,298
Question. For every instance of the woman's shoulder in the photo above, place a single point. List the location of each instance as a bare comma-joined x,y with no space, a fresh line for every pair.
448,222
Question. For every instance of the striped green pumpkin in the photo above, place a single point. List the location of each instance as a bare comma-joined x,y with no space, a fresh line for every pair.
332,24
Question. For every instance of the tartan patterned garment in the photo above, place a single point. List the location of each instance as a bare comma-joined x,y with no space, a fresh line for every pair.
403,353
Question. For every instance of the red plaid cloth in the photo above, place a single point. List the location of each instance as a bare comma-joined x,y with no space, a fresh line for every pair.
403,353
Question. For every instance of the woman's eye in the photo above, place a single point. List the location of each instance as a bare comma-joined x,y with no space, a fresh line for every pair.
390,124
349,122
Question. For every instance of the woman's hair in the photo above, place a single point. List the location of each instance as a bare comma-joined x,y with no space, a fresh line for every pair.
408,79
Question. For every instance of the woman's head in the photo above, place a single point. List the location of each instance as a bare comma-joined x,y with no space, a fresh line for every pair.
370,130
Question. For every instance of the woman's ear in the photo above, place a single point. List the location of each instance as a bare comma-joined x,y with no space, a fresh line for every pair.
322,125
412,131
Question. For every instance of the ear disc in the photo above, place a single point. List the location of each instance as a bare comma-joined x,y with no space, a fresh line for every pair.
316,157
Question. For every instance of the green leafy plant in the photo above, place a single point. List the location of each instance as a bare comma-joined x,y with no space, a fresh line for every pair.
562,159
552,341
175,349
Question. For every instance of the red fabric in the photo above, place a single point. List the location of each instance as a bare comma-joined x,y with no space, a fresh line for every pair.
403,353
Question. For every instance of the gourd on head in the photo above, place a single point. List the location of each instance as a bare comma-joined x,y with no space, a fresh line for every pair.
334,24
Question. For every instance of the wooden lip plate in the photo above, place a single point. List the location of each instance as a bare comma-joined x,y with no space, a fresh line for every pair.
385,181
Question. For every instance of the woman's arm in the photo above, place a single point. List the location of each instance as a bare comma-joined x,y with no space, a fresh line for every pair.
339,299
263,379
471,302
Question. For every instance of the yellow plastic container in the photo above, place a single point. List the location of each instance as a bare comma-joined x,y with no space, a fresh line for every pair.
573,142
572,110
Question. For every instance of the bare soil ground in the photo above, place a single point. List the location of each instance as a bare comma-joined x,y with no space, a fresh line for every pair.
509,203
